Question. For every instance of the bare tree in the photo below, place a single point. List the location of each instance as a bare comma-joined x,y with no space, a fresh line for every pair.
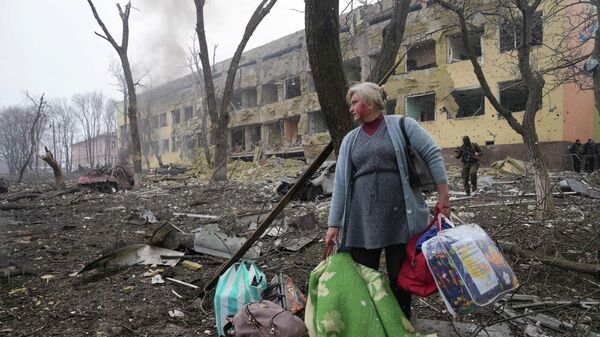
132,99
325,57
109,123
15,122
40,106
90,113
62,114
146,131
198,92
519,15
220,118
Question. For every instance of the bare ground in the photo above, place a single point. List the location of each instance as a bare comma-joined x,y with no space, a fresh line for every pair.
42,245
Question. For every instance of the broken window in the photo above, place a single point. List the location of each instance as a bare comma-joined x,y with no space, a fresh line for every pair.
163,119
513,95
188,113
236,101
255,134
249,97
421,56
275,134
290,131
510,33
421,108
176,116
470,102
175,144
390,106
189,142
154,121
316,122
268,93
352,69
164,145
238,139
457,50
291,87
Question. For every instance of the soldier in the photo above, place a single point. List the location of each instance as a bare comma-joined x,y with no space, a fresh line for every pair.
589,153
469,154
576,151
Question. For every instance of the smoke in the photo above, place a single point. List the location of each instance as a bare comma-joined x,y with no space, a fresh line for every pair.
166,28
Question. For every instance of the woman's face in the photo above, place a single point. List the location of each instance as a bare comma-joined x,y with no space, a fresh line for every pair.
361,111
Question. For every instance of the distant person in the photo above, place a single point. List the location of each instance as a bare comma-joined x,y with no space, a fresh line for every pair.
576,152
589,154
469,154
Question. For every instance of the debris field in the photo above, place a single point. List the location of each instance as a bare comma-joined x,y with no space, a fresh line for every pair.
135,262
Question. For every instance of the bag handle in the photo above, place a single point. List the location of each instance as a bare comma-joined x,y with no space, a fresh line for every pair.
329,250
440,217
403,128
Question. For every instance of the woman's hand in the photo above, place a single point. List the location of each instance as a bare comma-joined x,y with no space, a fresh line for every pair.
443,203
332,236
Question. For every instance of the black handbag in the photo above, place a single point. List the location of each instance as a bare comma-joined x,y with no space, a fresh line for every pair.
419,175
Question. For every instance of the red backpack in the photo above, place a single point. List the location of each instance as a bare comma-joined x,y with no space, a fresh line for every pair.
414,276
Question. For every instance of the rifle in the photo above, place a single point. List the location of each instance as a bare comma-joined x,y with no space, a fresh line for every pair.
460,152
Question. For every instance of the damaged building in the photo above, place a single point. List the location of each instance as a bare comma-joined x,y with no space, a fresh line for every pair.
275,106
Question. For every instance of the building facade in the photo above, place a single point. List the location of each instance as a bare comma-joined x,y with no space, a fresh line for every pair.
99,151
275,106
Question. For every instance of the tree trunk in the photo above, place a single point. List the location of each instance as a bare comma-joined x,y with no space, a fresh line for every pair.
39,108
58,175
220,119
393,34
220,155
541,179
325,58
596,55
136,146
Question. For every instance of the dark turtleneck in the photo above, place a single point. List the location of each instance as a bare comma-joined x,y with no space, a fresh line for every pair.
371,127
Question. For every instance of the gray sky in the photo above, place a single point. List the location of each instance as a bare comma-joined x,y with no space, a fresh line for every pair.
50,46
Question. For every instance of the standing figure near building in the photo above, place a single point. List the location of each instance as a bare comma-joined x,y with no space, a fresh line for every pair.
589,154
576,152
373,204
469,154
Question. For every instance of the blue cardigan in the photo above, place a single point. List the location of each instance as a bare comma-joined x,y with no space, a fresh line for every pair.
417,212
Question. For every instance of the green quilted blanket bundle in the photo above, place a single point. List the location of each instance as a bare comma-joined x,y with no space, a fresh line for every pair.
346,299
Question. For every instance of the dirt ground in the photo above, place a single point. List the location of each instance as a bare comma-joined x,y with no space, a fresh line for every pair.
43,244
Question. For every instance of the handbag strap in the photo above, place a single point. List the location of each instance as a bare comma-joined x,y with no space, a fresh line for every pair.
403,129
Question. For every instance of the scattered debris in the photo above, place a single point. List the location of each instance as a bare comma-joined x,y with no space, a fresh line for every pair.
207,240
191,265
182,283
508,166
134,254
157,279
572,185
176,313
148,216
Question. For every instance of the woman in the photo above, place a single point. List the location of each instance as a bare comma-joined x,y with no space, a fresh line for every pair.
373,203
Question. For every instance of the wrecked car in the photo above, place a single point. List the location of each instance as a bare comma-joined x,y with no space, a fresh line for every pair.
107,179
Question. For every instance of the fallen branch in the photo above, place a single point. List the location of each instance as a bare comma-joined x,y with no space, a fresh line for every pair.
23,195
586,268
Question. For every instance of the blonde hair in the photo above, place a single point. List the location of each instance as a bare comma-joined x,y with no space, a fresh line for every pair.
369,92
